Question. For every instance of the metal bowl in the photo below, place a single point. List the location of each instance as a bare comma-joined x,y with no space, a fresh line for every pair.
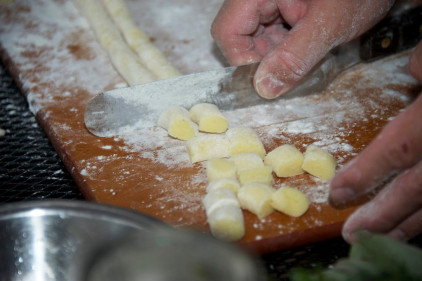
79,240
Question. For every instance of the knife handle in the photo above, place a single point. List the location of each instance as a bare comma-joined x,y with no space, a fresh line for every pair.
392,35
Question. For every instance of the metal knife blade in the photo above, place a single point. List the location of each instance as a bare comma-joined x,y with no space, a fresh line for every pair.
124,110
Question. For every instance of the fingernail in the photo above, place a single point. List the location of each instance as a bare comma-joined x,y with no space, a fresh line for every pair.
342,195
270,87
353,236
398,234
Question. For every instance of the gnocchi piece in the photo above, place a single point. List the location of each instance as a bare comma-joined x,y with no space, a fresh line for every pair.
231,184
286,161
256,198
246,161
224,215
243,139
219,168
209,118
176,121
262,174
319,163
205,147
290,201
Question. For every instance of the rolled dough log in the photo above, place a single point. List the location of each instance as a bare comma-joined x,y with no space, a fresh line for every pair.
122,57
149,54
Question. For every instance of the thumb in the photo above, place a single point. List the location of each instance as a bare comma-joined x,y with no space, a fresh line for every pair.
284,66
415,63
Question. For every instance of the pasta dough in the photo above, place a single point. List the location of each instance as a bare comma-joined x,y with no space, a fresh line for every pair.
209,118
290,201
205,147
243,139
218,168
224,215
246,161
123,58
256,198
319,163
262,174
176,121
150,55
286,161
231,184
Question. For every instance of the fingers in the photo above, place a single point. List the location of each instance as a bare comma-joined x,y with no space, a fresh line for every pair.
397,148
396,210
409,228
415,62
234,26
321,28
290,61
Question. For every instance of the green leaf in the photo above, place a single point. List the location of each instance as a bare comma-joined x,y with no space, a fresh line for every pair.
374,257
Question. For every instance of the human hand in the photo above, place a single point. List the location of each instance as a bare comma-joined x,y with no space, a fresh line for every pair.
255,30
397,152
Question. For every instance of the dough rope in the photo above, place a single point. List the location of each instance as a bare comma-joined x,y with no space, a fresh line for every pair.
149,54
122,57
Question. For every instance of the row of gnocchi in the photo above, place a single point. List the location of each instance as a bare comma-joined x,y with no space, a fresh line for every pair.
239,171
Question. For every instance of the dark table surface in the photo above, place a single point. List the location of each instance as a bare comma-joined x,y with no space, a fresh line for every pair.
30,169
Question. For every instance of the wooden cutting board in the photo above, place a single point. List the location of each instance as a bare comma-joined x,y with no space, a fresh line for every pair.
55,59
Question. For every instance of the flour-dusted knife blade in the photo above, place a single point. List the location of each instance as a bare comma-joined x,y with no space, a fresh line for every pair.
125,110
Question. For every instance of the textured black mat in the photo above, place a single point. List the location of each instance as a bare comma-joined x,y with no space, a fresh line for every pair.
29,166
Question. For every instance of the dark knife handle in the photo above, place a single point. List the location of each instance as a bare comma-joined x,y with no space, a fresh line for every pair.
392,35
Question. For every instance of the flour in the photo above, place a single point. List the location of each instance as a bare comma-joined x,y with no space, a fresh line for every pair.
59,64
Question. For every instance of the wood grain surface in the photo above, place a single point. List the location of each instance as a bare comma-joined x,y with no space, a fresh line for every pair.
54,57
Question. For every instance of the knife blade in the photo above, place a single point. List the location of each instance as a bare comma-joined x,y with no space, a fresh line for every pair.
124,110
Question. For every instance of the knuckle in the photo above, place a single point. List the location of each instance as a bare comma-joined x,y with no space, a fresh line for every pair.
399,155
293,66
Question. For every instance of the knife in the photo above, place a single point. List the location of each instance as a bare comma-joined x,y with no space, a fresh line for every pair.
124,110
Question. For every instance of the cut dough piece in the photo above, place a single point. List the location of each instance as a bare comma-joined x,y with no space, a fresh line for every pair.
262,174
246,161
319,163
149,54
243,139
176,121
224,215
286,161
218,168
123,58
205,147
231,184
290,201
209,118
256,198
